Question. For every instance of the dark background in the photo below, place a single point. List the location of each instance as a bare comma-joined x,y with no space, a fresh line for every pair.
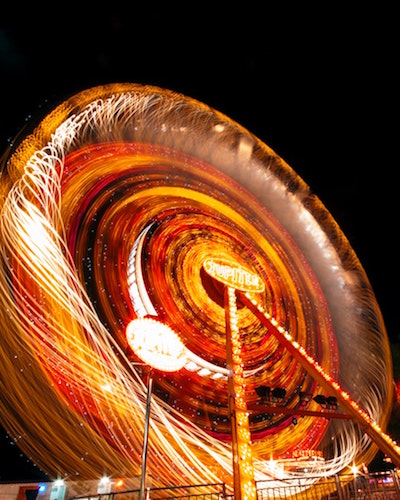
317,84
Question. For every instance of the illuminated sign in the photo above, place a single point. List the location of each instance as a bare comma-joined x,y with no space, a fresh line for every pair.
232,275
156,344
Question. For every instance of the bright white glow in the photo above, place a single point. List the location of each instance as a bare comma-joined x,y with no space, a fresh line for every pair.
137,289
204,372
156,344
354,470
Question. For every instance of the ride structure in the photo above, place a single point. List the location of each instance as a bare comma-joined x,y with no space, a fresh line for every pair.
130,202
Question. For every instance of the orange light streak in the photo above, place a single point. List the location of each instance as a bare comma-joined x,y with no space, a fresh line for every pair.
108,212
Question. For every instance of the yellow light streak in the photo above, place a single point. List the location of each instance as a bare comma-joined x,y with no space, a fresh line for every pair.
70,396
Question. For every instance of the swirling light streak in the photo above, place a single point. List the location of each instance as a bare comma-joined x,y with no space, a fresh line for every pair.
119,164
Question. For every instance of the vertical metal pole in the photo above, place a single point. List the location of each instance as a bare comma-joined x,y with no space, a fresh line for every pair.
145,438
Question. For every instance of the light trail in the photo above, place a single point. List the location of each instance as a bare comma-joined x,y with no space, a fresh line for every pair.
122,164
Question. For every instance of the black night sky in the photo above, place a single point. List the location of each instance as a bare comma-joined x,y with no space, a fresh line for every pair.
317,85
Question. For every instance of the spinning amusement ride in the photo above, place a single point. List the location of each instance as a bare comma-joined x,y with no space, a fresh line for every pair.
143,233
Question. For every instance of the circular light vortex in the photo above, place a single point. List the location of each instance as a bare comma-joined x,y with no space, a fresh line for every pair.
109,210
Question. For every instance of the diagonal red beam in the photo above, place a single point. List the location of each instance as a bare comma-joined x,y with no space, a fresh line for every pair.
382,440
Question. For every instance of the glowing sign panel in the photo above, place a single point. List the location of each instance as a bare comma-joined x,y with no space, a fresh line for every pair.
156,344
229,273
